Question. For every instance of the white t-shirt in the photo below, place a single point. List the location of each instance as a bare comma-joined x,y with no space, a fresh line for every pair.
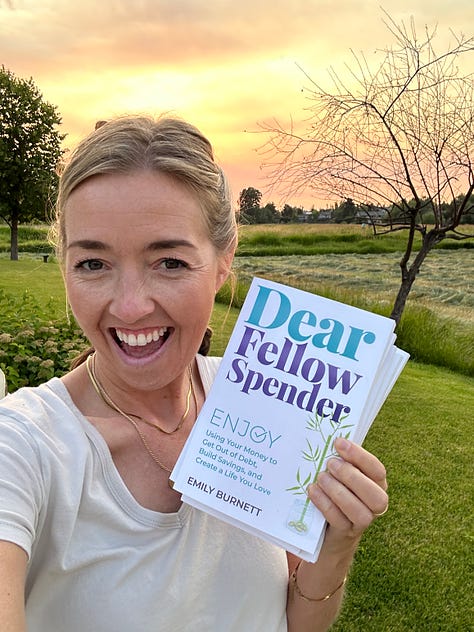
99,561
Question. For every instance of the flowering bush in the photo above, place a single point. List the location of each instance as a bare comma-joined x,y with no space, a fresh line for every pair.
34,348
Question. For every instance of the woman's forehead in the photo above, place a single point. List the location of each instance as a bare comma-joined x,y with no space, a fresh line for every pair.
143,201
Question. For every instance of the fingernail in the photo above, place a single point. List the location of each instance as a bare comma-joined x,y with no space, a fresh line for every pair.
334,465
342,443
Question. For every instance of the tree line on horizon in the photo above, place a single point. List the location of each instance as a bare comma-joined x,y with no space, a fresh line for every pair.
250,211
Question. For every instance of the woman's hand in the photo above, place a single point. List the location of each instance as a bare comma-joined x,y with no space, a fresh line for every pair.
351,492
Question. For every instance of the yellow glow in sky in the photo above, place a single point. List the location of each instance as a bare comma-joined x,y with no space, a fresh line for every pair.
225,66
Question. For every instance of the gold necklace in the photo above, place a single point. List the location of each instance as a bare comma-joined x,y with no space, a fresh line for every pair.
99,389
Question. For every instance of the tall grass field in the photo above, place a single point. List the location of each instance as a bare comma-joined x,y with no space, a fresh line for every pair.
414,567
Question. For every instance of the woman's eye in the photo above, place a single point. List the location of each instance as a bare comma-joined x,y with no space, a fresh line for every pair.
92,265
173,264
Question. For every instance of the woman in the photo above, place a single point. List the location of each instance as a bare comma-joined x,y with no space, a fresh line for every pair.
92,536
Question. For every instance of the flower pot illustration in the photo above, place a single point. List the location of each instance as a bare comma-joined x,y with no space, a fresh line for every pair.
301,516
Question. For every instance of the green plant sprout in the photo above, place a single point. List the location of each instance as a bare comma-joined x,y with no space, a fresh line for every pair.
317,456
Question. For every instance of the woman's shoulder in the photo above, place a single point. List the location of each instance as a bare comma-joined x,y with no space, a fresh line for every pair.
37,408
50,393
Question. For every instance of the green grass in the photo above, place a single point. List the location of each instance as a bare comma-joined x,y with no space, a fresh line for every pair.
321,239
414,565
41,281
222,323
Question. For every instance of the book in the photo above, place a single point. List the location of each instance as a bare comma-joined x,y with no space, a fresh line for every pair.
299,371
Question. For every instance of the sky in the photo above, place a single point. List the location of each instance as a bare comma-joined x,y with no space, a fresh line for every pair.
226,66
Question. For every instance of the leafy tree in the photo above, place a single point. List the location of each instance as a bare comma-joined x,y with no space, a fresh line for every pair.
345,212
269,214
249,205
289,214
29,152
399,136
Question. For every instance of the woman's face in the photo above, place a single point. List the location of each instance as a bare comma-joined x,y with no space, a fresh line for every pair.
141,274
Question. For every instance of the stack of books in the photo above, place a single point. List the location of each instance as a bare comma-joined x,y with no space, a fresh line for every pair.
299,371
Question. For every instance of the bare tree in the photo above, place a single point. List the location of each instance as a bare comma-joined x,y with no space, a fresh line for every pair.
400,136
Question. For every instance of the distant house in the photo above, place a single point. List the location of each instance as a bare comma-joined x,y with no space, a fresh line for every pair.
372,214
305,216
325,215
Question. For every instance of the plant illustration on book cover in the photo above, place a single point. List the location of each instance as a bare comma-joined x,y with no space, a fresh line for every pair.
301,514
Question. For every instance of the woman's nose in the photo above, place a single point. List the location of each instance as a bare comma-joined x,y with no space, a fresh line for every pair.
131,301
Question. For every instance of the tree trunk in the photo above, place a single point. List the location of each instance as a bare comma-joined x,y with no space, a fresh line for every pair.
410,273
14,238
403,292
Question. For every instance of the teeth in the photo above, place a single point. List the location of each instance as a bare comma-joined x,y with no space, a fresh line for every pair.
141,339
132,340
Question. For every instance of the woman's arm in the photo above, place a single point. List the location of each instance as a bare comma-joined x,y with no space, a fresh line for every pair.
13,562
350,494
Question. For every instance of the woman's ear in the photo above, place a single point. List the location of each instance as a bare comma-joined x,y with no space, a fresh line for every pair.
225,265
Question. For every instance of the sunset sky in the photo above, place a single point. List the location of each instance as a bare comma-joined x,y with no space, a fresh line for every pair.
224,65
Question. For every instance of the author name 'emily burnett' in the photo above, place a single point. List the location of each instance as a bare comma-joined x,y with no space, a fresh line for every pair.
224,497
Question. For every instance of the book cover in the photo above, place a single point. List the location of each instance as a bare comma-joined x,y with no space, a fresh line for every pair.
299,370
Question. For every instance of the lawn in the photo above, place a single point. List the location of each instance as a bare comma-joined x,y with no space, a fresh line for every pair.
40,280
414,565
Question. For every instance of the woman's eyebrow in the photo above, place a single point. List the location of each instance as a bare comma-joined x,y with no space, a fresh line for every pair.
88,244
161,244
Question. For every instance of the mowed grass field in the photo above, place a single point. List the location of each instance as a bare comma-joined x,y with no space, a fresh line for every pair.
445,283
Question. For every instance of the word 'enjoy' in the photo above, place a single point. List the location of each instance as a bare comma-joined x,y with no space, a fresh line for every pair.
243,428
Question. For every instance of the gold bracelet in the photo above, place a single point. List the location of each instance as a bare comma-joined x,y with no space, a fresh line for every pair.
294,581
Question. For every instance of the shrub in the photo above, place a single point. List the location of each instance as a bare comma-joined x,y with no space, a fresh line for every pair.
36,246
34,348
31,238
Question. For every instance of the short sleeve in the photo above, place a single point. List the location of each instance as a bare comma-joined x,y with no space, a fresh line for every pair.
21,484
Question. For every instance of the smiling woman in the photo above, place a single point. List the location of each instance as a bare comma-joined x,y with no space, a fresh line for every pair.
127,285
146,236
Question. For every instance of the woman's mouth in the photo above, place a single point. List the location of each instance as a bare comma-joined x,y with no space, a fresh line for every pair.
141,343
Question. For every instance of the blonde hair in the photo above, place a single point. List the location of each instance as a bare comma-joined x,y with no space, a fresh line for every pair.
168,145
